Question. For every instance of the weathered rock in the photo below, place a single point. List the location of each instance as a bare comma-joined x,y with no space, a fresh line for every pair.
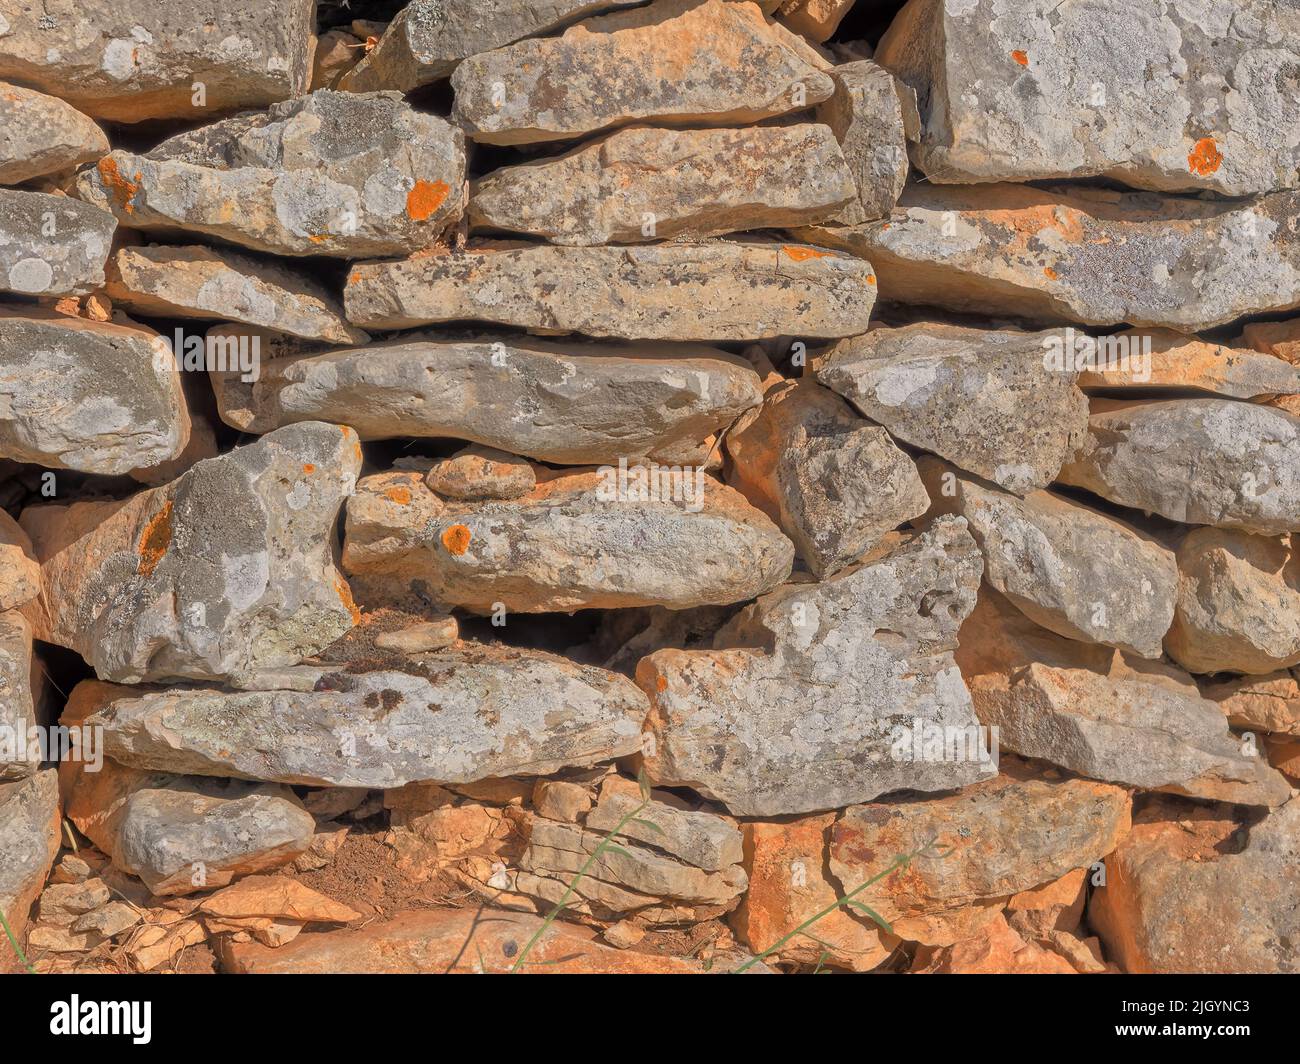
1034,91
1100,713
1087,255
1066,566
180,842
866,114
29,841
272,909
833,482
337,52
812,712
717,290
788,884
657,184
1057,906
202,282
227,569
987,401
701,839
577,541
1176,362
20,572
327,174
132,60
41,135
51,245
1238,603
87,395
1268,703
478,472
18,758
1004,835
1201,461
447,941
495,712
428,38
568,403
815,19
62,904
560,800
993,949
1278,338
1183,895
426,635
677,62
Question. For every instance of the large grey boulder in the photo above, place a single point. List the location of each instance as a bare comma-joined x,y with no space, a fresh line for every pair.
42,135
810,696
332,173
29,840
226,569
1041,89
52,245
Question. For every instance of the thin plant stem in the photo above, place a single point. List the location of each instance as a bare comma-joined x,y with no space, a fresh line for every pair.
14,942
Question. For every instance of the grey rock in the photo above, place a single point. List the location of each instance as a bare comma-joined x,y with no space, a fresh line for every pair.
42,135
18,759
51,245
704,840
29,841
800,704
986,400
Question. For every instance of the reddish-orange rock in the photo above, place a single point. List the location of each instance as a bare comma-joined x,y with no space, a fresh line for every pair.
994,950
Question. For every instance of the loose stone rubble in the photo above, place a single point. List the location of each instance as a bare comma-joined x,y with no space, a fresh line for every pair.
649,486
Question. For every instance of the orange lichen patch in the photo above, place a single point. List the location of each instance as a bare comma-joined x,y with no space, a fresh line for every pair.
125,190
1204,157
1049,273
456,539
871,278
802,254
1020,57
345,596
661,683
309,469
425,198
155,539
354,277
317,238
401,496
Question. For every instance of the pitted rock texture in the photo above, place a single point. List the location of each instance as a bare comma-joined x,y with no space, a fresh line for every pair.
676,62
42,135
29,840
51,245
1037,89
87,395
132,60
136,587
327,174
717,290
452,716
802,703
578,540
612,191
1069,253
571,403
18,759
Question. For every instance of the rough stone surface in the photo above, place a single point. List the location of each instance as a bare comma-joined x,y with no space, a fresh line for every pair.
658,184
800,705
568,403
703,840
29,840
51,245
815,19
984,400
478,472
716,290
994,949
496,713
1201,461
577,541
79,394
1101,713
1004,836
677,62
1095,256
42,135
1070,568
332,173
20,572
201,282
17,715
131,60
428,38
1033,90
1268,703
1182,895
833,482
140,591
1238,603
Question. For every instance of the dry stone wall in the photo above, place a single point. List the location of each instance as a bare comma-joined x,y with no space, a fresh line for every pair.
650,463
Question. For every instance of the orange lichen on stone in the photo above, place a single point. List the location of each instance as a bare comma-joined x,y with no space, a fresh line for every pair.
802,254
345,596
425,198
661,683
125,190
399,495
1049,273
155,539
1020,57
309,469
871,278
1205,157
456,539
